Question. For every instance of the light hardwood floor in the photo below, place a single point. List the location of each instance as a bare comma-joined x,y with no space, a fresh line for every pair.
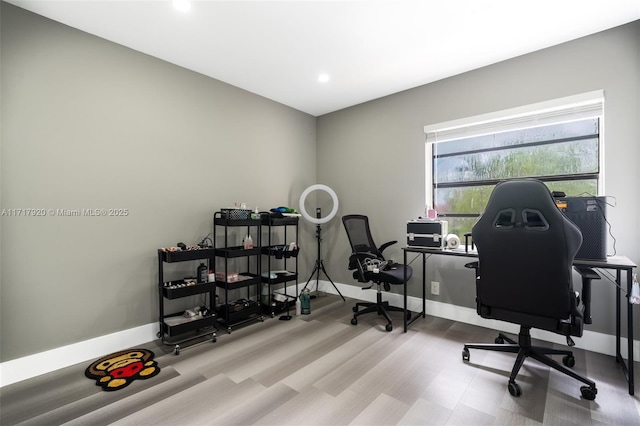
319,369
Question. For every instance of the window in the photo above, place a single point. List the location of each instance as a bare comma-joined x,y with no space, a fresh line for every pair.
558,142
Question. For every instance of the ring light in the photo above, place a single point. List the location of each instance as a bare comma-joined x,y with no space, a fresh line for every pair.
329,191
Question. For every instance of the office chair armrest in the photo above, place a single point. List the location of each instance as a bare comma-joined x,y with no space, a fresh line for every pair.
359,257
385,245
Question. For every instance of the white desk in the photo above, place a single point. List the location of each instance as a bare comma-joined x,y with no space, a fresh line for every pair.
620,264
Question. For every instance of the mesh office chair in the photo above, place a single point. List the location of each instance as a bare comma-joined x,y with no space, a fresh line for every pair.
369,265
526,248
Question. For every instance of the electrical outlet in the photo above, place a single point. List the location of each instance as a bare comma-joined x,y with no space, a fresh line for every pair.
435,287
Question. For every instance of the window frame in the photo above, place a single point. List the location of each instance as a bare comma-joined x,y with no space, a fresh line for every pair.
571,108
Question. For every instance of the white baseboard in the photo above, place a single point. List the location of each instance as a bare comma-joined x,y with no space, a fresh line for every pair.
34,365
590,340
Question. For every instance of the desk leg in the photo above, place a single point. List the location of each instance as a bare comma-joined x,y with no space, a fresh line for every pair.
618,316
630,331
409,320
424,285
627,366
404,313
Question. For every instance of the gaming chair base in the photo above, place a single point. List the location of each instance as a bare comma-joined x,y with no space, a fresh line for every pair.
524,349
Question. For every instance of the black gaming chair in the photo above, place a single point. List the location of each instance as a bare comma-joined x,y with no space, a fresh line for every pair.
369,265
526,248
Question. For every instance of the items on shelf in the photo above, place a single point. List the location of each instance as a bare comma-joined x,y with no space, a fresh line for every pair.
247,243
192,323
202,273
237,267
280,251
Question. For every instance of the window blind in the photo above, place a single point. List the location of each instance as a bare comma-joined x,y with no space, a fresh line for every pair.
571,108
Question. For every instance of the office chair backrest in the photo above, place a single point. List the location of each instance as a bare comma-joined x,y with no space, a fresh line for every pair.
526,248
359,234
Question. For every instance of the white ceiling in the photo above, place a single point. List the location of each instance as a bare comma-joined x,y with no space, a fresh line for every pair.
370,49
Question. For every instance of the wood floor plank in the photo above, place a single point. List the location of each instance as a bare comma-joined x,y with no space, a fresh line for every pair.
98,410
366,354
80,396
306,408
198,405
256,408
271,354
425,413
394,373
464,415
301,356
384,410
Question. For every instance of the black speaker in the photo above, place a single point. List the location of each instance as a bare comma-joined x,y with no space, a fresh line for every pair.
589,214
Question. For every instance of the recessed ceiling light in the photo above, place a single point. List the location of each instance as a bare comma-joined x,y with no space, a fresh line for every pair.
323,78
182,5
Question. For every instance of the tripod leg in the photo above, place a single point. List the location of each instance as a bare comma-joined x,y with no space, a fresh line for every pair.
315,270
332,283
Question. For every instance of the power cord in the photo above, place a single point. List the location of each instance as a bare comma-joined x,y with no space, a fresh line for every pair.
375,265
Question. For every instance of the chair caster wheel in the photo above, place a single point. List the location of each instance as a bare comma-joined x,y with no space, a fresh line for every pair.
588,393
176,349
354,321
354,309
569,361
388,327
158,335
499,340
514,389
465,354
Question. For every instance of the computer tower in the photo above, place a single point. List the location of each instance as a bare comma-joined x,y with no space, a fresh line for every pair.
589,214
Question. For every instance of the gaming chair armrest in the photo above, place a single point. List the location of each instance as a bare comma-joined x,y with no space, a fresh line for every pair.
587,275
476,267
385,245
472,265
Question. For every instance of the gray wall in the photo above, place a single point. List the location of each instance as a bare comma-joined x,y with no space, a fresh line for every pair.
373,154
90,124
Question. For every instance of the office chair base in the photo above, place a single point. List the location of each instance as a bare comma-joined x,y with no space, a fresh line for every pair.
524,349
380,307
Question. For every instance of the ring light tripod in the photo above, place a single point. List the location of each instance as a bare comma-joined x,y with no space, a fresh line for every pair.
318,220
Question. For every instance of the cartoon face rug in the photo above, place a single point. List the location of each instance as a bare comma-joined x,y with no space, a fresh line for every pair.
118,370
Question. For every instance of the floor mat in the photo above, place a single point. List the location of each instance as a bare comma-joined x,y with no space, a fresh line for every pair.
118,370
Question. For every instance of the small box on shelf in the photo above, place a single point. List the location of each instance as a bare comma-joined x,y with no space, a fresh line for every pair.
177,289
235,280
281,251
177,324
238,311
170,256
236,251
